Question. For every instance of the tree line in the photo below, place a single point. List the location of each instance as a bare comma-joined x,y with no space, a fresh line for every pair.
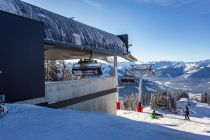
165,100
205,98
57,70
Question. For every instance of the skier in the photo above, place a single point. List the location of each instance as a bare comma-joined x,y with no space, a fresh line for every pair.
187,113
156,114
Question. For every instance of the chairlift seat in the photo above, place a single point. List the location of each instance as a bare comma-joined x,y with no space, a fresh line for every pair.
87,70
161,104
127,79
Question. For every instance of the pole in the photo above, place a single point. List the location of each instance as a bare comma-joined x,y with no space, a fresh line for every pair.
116,82
140,91
139,105
115,70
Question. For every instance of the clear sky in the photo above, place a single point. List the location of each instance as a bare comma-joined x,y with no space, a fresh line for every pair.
177,30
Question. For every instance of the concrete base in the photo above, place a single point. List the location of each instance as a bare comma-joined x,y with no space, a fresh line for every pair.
59,91
34,101
105,103
56,92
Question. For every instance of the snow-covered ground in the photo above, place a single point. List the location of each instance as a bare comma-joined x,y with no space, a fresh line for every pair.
199,119
29,122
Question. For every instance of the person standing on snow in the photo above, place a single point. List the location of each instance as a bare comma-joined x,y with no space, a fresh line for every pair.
187,113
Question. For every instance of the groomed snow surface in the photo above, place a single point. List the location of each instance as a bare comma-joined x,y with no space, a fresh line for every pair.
199,123
29,122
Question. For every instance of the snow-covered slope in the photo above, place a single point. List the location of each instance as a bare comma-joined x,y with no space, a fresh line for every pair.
148,87
202,73
27,122
186,70
173,69
199,119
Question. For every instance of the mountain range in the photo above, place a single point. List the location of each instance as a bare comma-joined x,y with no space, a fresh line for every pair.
191,77
173,76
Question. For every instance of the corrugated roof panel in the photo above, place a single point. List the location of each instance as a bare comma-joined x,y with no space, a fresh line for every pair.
62,30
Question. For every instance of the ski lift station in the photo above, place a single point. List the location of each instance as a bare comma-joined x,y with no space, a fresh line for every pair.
29,35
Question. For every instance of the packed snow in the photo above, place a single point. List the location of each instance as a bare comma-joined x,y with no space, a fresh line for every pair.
199,119
29,122
150,89
163,67
167,83
158,82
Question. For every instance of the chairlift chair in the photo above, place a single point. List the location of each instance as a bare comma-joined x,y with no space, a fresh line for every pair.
162,103
126,79
86,68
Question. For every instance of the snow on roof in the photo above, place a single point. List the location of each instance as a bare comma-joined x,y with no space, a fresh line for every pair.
60,30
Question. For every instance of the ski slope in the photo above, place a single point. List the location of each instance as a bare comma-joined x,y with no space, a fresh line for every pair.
199,119
29,122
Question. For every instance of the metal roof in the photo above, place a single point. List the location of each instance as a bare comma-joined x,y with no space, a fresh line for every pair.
61,30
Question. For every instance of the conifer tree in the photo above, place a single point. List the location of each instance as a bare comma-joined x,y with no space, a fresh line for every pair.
51,70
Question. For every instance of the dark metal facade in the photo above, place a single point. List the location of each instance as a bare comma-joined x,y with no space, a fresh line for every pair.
21,58
64,31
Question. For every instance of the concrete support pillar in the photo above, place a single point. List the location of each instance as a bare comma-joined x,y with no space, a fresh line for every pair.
140,105
140,91
116,80
116,75
115,69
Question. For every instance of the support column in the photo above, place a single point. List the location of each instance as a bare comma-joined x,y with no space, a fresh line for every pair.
140,91
115,70
116,82
140,105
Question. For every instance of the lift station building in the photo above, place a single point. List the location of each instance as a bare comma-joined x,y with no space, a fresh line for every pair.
29,35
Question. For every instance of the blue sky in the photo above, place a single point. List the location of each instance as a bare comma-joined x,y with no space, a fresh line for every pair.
177,30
